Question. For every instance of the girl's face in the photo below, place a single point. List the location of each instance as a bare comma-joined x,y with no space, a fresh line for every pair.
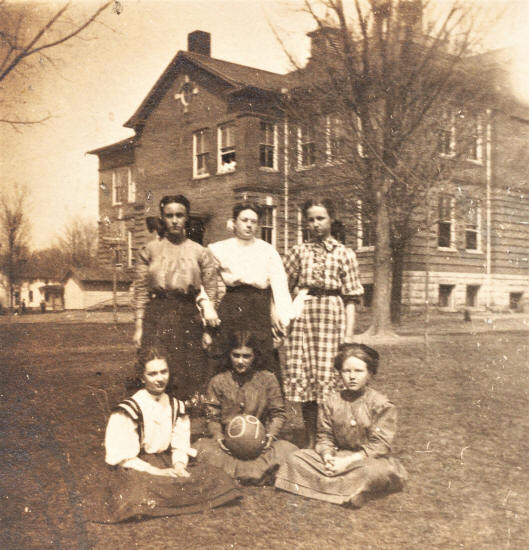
242,359
156,376
355,375
174,217
246,224
318,222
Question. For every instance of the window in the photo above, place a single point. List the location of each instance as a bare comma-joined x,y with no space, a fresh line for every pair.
447,136
30,296
131,187
472,225
515,300
303,234
472,295
336,138
120,185
130,251
366,227
226,143
445,295
475,149
200,154
267,222
445,238
306,147
268,145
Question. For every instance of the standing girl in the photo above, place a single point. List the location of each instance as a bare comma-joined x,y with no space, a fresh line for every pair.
170,272
324,273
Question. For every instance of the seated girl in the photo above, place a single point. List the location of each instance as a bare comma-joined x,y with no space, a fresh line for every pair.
245,389
356,426
147,444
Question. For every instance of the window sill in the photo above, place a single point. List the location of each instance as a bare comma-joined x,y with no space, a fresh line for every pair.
268,169
224,172
475,162
303,168
200,176
365,248
446,249
471,251
447,155
117,204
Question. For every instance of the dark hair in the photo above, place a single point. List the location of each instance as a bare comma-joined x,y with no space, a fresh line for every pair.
338,231
180,199
240,206
148,354
243,339
368,355
319,201
154,224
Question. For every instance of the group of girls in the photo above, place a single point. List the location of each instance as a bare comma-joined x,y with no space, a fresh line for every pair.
229,302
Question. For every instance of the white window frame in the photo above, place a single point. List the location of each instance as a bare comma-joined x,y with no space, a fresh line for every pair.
196,154
273,227
301,143
449,128
477,230
360,231
452,222
226,167
130,256
477,140
274,145
131,186
125,188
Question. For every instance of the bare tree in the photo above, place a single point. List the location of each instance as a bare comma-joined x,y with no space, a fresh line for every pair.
14,235
78,243
27,38
391,84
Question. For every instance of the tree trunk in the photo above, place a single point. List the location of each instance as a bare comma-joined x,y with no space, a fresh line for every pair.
381,322
396,281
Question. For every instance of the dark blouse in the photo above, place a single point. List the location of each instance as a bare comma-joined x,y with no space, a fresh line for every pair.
257,393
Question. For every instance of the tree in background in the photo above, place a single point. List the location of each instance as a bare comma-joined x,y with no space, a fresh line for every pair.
29,36
14,236
391,80
78,243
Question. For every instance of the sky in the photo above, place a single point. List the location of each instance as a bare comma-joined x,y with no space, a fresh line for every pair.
97,83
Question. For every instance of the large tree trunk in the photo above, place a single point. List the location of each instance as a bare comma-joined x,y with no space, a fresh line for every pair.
396,281
381,322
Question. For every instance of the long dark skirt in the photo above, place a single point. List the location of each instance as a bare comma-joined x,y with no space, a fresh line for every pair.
247,471
174,324
245,307
303,473
130,494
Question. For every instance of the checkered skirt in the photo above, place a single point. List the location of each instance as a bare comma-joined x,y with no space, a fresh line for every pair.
311,348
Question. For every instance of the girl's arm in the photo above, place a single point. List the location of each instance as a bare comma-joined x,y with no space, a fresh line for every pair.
382,430
214,410
349,321
141,293
325,443
276,407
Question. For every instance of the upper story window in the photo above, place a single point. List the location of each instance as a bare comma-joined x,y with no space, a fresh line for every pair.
446,144
200,154
475,140
366,228
123,186
335,138
446,222
472,225
268,145
130,249
267,223
306,147
226,148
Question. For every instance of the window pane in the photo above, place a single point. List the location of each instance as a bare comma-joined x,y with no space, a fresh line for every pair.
444,234
471,238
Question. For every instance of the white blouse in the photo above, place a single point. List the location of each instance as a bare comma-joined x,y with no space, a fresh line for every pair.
256,263
122,441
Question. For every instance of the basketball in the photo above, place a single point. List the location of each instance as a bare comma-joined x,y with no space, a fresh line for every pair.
245,436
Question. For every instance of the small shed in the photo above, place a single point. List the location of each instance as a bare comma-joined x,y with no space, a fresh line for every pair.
89,288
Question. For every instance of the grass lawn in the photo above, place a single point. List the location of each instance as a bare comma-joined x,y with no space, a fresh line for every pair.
463,437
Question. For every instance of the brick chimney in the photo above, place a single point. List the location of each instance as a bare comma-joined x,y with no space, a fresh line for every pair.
199,42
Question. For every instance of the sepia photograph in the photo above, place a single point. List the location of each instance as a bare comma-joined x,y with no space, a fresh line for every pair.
264,274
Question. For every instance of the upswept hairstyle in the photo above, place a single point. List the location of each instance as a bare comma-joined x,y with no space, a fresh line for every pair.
368,355
180,199
240,206
148,354
320,201
240,339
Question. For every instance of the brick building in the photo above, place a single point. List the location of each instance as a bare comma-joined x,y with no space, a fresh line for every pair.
216,132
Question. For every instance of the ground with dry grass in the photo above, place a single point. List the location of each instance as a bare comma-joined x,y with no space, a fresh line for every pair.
463,438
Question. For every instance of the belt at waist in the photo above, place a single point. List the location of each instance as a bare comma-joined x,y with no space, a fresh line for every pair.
237,288
323,292
164,294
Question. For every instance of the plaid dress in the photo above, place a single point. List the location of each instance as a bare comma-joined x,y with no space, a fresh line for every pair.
313,342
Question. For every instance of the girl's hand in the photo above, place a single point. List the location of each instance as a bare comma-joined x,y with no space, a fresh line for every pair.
349,339
269,440
207,340
209,314
138,333
165,472
180,470
222,446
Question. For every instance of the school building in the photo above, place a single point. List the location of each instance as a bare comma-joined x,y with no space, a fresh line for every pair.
216,132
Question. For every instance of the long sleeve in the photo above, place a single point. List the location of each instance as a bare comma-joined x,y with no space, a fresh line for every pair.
292,267
276,407
213,410
121,439
141,289
381,431
279,284
209,274
325,441
181,440
349,275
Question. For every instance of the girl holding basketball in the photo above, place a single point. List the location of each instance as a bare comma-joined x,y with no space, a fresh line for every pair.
244,389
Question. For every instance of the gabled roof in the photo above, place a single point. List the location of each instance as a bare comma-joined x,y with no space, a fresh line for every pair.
96,275
123,144
233,74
